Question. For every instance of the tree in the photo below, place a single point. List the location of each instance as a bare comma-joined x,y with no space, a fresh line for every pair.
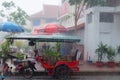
80,5
13,13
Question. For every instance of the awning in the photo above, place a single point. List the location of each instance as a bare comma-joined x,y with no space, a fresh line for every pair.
48,38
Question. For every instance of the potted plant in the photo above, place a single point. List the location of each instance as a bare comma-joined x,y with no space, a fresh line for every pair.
110,56
101,51
52,55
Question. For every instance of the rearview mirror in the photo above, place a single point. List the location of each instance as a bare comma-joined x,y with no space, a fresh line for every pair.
31,43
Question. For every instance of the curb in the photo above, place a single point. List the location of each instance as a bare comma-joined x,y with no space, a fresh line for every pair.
82,73
42,73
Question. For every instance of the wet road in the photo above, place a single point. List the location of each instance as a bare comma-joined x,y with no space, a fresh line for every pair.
103,77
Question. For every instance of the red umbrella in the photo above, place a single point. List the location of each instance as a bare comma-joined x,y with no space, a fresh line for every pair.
49,29
38,30
54,28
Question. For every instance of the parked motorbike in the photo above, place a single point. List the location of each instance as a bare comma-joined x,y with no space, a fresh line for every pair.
26,68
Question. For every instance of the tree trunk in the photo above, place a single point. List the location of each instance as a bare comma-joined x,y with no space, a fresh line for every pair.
75,19
75,27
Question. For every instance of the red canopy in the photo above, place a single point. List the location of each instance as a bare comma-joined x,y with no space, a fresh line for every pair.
49,29
54,28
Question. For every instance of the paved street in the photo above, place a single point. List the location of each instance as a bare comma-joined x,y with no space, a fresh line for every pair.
91,73
105,77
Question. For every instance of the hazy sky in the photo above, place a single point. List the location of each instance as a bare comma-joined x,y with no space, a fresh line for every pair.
33,6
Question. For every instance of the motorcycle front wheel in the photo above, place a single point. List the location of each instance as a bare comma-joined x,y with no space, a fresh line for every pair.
28,73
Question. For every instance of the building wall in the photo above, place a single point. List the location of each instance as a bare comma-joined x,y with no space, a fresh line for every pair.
96,31
47,15
113,2
37,21
79,32
91,36
116,31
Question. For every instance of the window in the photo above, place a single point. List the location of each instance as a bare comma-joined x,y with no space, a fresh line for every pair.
50,20
43,21
107,17
89,18
36,22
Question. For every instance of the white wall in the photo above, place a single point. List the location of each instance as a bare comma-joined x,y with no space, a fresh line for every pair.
116,31
116,34
91,36
96,32
80,33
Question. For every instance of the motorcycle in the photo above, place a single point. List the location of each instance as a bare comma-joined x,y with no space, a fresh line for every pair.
26,68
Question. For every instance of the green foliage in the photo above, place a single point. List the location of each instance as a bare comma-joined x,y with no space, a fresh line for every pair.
5,46
18,16
51,52
89,2
73,2
8,4
1,13
101,51
14,14
111,53
97,2
80,5
19,44
118,50
20,56
58,46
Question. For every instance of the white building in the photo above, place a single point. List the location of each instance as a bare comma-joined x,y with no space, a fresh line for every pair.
102,24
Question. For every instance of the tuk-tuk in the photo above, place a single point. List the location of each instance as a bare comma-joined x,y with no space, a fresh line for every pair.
62,68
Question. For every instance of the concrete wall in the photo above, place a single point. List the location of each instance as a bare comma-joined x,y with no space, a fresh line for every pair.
81,34
91,35
97,31
116,34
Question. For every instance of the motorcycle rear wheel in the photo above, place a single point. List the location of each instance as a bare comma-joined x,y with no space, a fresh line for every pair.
28,73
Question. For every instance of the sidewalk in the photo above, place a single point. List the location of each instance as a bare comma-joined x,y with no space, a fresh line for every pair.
87,67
